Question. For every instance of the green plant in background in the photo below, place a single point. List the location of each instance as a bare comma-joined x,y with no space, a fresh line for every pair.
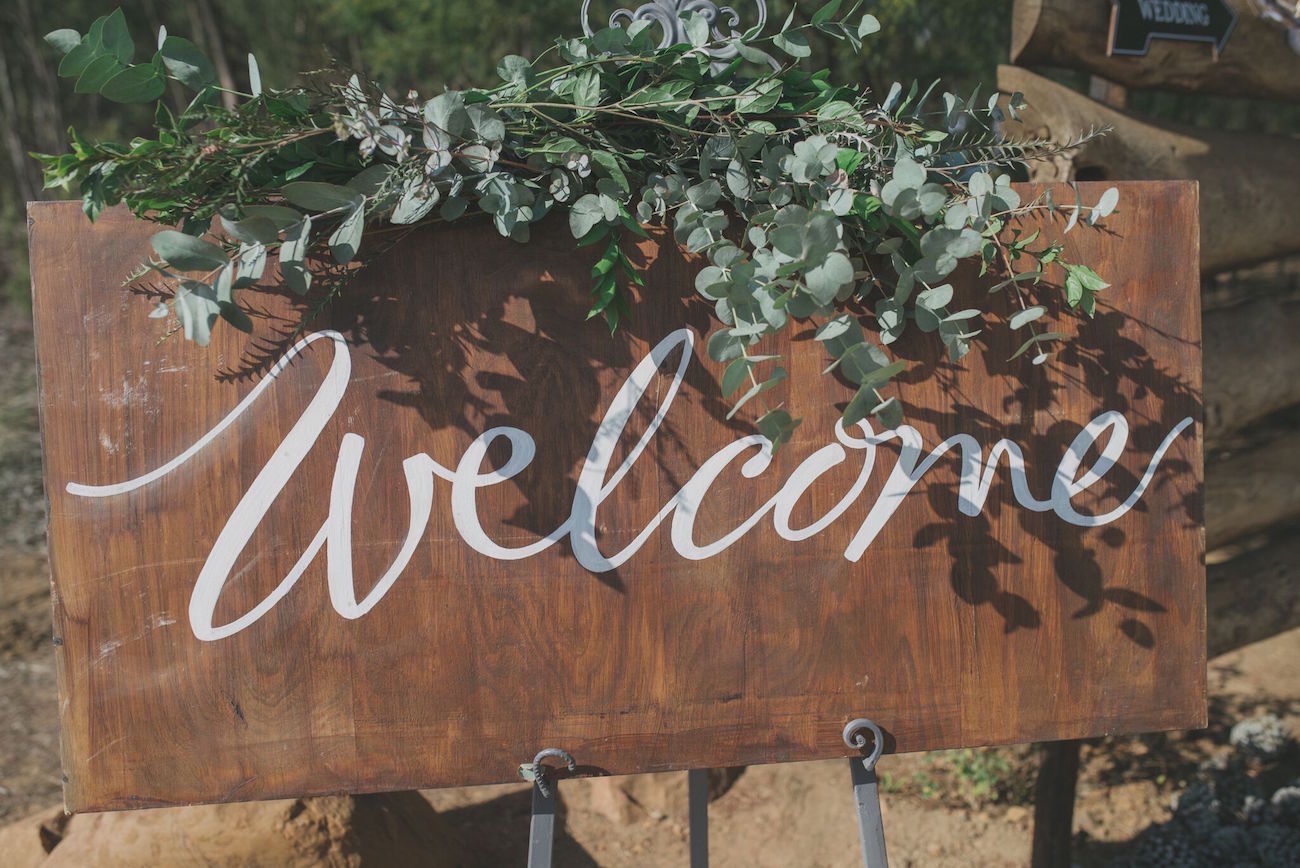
803,195
983,775
976,778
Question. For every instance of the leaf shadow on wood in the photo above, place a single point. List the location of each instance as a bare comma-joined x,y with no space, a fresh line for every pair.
519,348
517,351
1104,367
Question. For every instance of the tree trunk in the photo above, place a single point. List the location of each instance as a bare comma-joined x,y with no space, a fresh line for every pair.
217,49
1248,181
43,99
13,143
1075,34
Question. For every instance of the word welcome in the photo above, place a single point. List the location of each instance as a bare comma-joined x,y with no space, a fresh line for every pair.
596,484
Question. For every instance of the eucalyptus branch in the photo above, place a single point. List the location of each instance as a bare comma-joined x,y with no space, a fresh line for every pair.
801,196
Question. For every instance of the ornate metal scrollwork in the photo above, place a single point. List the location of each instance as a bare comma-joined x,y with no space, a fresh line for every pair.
667,14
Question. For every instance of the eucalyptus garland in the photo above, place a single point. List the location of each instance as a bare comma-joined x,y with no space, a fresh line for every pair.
803,196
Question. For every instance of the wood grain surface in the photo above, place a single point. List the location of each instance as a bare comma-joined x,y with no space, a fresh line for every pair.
951,630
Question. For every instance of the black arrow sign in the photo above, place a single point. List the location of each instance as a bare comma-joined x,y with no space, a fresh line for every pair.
1134,23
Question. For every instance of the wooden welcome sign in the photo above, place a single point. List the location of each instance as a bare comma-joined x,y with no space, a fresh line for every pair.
451,524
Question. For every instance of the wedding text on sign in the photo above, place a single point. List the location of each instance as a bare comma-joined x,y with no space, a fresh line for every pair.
596,484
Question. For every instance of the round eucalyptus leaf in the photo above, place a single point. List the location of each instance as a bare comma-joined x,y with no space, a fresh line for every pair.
97,73
78,58
585,215
909,173
825,280
117,38
187,63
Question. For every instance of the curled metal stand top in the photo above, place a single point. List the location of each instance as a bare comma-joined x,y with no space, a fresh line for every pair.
539,771
667,14
853,737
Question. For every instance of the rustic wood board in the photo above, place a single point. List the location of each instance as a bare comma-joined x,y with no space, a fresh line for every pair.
1010,625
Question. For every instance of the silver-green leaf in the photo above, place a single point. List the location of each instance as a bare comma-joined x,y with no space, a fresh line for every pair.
197,308
187,253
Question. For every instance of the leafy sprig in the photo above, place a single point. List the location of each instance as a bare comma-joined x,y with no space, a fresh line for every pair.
801,195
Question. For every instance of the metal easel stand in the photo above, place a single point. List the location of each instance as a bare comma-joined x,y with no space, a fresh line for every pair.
866,798
541,832
866,792
697,789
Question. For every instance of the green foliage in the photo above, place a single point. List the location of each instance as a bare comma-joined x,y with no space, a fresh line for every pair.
805,198
100,61
983,774
975,778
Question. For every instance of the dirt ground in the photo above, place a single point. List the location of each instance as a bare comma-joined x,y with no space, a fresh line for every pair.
956,808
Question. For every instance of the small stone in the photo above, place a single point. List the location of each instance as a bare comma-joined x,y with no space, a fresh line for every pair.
1262,738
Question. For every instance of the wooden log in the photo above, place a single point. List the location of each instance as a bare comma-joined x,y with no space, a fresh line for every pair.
1254,595
1248,181
1252,364
1107,91
1256,62
1252,490
1277,277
